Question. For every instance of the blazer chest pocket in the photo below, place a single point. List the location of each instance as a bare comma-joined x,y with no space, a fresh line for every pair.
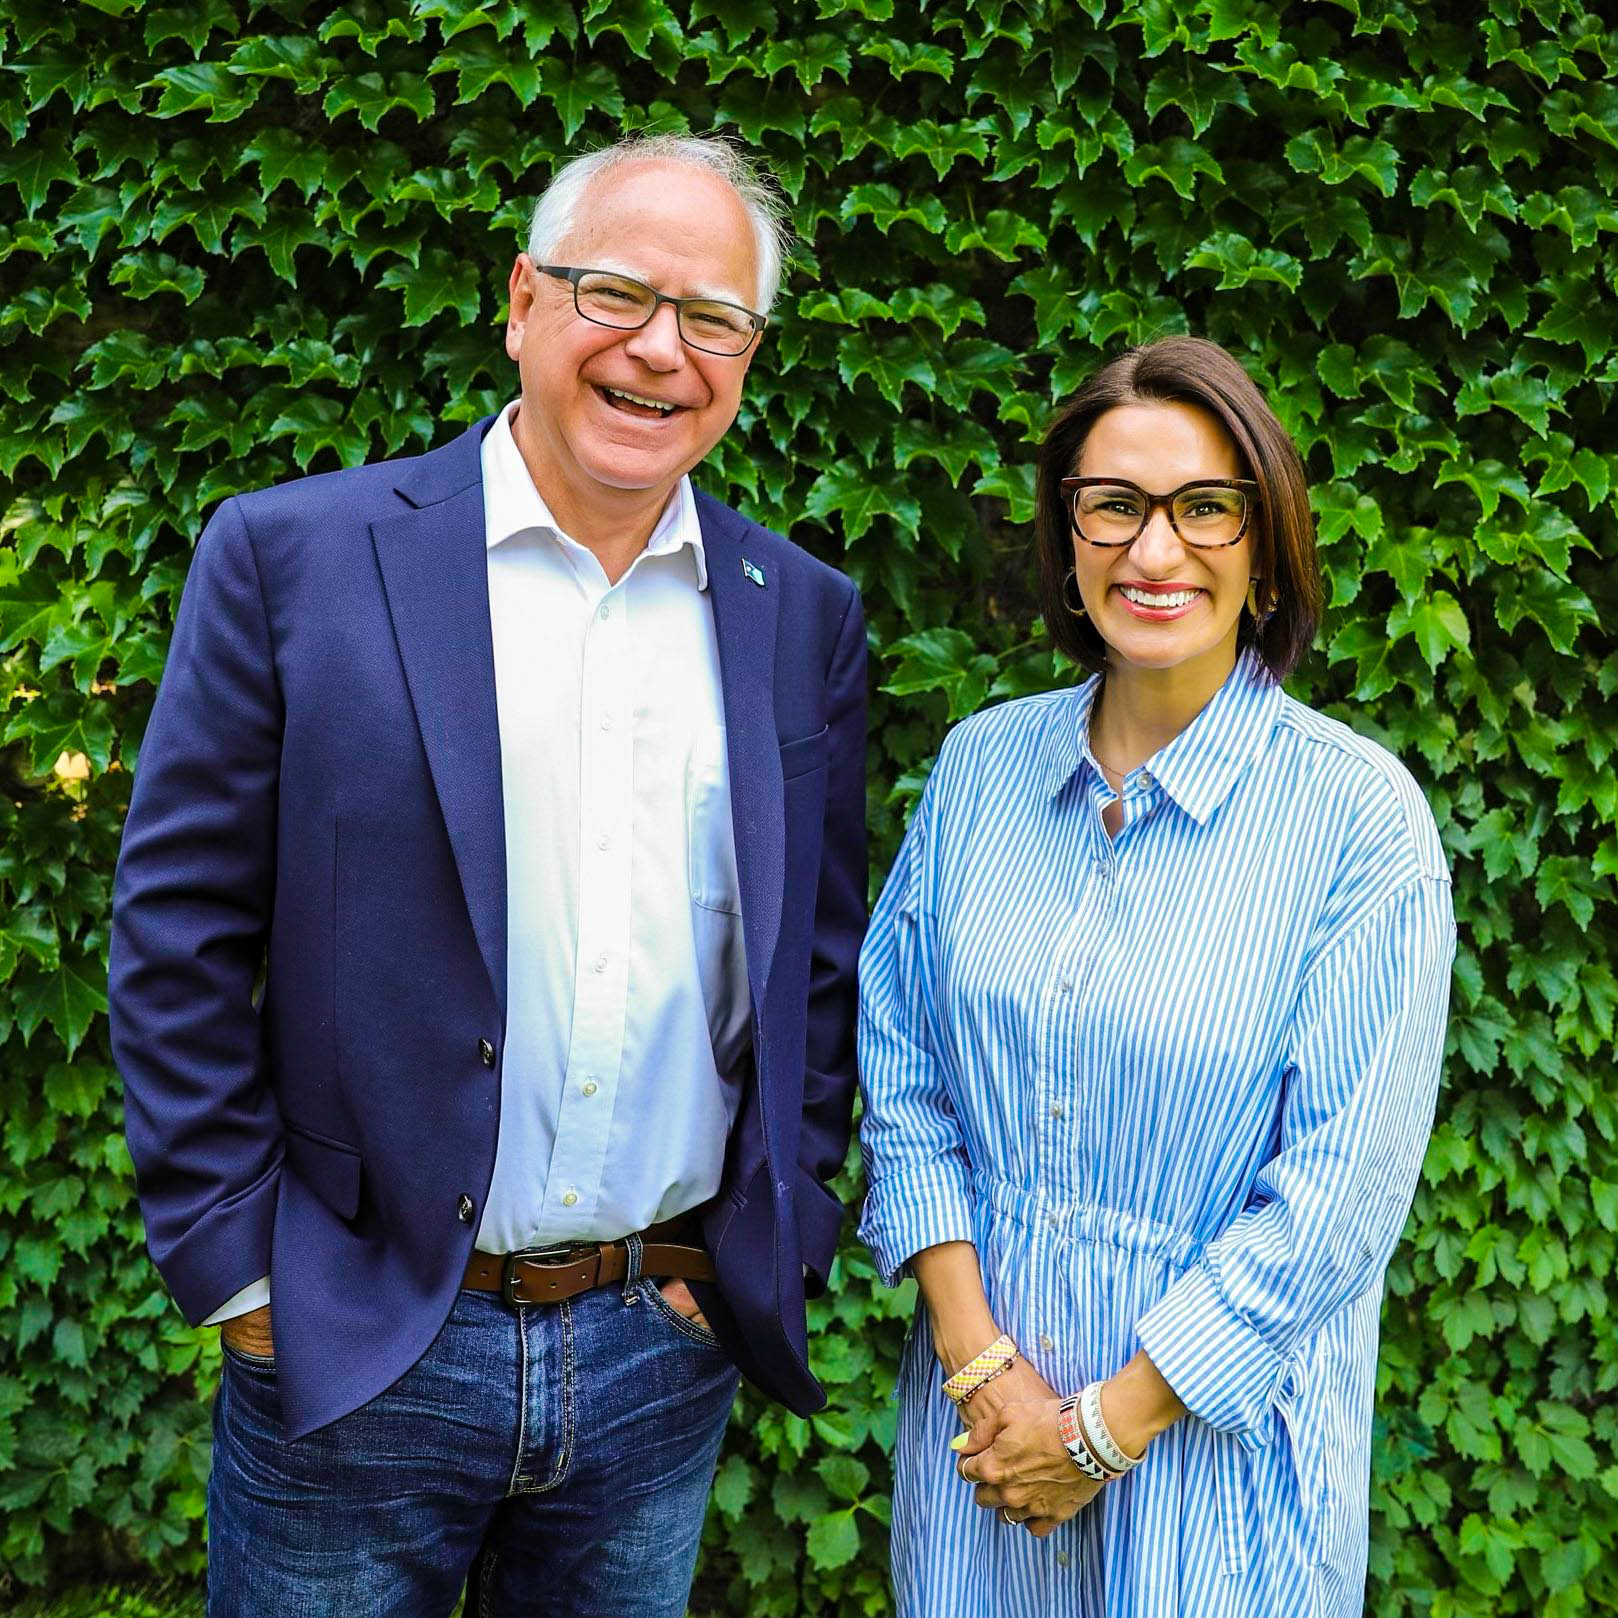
806,754
328,1167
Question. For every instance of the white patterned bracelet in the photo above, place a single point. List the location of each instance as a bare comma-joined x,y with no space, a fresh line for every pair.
1107,1448
1077,1445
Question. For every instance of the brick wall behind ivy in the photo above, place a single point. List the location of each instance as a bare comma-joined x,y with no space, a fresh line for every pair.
242,239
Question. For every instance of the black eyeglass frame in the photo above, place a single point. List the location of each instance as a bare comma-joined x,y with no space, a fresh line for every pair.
1249,487
573,275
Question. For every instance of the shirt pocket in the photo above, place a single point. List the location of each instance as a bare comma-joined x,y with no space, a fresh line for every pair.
710,839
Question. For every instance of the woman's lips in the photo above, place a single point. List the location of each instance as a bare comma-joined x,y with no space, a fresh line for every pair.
1160,614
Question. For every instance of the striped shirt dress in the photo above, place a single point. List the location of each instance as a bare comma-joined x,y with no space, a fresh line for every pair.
1176,1087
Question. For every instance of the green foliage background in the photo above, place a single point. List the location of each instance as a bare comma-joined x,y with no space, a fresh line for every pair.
248,238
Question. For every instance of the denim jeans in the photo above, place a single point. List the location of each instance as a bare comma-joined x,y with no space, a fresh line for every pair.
566,1448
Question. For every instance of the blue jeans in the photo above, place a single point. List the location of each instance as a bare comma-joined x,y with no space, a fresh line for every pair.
567,1449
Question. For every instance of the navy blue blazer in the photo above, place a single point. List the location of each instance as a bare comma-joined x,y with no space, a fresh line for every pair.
319,802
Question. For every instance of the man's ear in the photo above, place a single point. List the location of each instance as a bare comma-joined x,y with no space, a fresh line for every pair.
520,299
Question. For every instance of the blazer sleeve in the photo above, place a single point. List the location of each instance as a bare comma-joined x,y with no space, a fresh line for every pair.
1324,1214
830,1077
191,911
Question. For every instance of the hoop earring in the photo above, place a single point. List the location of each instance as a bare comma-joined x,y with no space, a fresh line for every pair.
1071,577
1261,618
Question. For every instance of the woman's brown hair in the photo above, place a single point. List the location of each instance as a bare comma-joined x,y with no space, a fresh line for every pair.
1189,370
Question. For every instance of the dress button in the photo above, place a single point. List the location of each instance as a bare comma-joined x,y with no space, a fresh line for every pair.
486,1051
569,1199
464,1209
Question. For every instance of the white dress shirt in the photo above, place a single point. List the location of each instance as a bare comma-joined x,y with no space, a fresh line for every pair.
628,1014
627,1007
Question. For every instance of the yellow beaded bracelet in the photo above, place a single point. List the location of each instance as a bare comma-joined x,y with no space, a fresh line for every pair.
994,1361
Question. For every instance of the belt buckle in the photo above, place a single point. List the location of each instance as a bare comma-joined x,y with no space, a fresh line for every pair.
554,1256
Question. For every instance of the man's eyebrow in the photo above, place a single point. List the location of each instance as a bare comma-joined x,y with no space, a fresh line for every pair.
704,289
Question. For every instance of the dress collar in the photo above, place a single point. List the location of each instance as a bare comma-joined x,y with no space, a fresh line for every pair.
1202,764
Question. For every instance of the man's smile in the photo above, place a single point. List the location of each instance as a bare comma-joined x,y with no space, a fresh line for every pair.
637,404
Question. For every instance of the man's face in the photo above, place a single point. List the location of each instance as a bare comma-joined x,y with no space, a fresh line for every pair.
683,232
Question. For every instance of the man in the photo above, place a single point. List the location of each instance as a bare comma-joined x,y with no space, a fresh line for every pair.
533,784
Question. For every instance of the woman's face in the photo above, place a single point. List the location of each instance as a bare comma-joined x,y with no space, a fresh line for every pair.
1160,603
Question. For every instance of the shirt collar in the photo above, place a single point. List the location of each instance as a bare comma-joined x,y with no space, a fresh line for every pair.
513,505
1201,766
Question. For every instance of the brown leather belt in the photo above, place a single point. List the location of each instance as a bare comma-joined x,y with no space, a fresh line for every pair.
549,1274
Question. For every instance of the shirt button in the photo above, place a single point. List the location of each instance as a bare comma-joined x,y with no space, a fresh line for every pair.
1067,982
603,843
1045,1340
1062,1558
606,613
606,721
601,963
588,1087
464,1209
486,1051
1056,1109
569,1199
1053,1220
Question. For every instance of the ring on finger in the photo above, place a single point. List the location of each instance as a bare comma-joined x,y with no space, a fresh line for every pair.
1006,1517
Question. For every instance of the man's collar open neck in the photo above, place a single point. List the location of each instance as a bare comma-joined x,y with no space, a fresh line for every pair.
615,524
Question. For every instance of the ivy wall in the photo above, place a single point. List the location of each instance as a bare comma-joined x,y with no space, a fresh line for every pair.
243,239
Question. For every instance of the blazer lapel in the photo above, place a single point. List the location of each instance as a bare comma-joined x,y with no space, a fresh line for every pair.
744,613
434,569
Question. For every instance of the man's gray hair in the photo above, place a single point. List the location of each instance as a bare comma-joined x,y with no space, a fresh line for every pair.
557,211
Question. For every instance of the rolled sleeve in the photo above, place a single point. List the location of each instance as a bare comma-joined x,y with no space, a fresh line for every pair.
1325,1213
916,1168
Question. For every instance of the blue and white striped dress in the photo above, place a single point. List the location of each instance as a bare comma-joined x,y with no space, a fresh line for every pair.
1176,1087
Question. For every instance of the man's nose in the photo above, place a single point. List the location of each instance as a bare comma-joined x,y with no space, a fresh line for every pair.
658,342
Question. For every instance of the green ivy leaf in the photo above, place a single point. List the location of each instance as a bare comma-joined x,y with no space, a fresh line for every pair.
68,999
440,282
204,87
834,1540
34,168
1176,161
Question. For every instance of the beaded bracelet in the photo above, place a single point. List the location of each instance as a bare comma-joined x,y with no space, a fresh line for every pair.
1107,1449
1076,1443
981,1369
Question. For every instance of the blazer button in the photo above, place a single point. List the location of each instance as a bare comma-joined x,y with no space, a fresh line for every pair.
486,1051
464,1209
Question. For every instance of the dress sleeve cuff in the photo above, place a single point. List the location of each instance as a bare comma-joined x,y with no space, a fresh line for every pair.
1222,1370
904,1214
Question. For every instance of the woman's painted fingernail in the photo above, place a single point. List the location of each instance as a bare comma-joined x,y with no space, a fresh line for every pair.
959,1441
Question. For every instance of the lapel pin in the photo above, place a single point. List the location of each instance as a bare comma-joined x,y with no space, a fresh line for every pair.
756,574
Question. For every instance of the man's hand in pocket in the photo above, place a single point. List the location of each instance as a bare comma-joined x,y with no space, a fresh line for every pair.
676,1294
250,1333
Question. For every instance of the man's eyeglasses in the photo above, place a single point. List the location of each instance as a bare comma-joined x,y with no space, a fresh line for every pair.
1209,514
615,300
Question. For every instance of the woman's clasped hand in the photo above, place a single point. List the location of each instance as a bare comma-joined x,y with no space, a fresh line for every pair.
1015,1457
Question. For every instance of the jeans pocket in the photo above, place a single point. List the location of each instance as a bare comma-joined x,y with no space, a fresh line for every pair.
260,1364
652,1294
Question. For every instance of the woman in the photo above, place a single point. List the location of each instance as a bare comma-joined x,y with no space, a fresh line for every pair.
1152,1012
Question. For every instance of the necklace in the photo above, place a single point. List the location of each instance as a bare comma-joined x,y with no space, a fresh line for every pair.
1112,769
